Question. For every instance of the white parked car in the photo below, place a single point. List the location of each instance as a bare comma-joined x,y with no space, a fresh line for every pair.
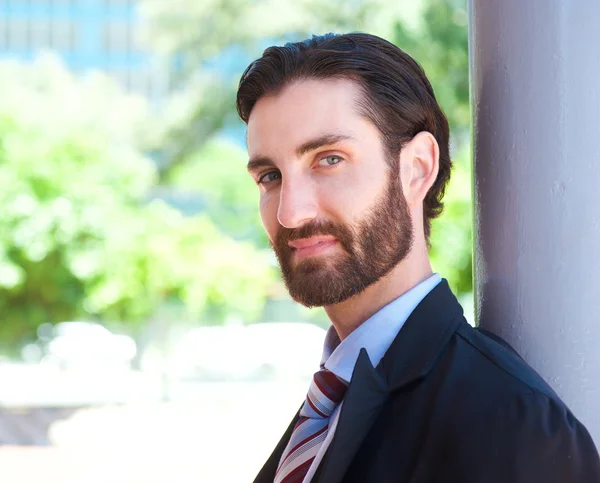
258,351
75,345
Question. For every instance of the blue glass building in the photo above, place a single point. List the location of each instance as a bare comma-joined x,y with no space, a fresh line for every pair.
87,34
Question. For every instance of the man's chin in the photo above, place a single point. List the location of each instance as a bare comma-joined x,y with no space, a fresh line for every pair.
318,290
315,300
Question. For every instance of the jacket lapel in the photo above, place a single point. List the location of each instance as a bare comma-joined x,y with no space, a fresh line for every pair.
365,396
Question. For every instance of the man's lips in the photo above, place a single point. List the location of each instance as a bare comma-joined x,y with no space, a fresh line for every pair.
312,246
309,242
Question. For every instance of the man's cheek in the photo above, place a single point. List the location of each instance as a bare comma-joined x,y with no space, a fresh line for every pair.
268,214
271,227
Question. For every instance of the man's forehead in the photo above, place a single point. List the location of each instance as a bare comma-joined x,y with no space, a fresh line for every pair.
302,111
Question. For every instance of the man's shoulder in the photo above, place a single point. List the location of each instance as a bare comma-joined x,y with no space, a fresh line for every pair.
494,395
492,359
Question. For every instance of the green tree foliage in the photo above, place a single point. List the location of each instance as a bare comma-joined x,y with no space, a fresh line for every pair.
451,234
78,237
230,197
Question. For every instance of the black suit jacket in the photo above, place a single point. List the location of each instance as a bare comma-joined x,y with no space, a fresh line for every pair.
451,404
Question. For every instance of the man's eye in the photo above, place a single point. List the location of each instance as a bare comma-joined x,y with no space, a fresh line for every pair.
329,160
269,177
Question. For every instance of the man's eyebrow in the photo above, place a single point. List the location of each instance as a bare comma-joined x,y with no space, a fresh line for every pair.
260,162
310,145
325,140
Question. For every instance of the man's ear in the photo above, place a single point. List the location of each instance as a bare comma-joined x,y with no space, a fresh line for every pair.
419,166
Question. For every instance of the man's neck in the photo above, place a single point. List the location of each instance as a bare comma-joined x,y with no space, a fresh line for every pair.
351,313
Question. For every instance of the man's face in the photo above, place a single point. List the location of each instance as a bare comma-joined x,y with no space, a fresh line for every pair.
330,202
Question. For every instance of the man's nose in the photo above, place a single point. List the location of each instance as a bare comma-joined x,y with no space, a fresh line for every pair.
297,204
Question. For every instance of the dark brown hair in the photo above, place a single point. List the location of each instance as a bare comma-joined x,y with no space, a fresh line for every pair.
398,97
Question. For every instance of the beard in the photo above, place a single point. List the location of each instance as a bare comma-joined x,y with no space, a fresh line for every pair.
372,248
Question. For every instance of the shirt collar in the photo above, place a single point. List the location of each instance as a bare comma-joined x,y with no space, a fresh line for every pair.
375,335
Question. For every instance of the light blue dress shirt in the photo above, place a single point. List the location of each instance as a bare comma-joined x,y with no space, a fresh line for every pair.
375,335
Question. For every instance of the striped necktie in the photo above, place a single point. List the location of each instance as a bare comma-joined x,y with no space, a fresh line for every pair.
325,393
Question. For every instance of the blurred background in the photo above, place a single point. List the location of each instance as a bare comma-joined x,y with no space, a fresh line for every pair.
143,322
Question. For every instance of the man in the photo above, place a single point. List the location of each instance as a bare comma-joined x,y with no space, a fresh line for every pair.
349,149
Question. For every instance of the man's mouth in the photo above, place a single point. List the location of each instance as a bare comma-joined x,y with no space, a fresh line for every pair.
316,245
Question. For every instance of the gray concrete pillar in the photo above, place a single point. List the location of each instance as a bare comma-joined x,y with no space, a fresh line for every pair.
535,83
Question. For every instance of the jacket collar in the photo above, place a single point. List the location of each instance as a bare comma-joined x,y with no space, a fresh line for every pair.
427,331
